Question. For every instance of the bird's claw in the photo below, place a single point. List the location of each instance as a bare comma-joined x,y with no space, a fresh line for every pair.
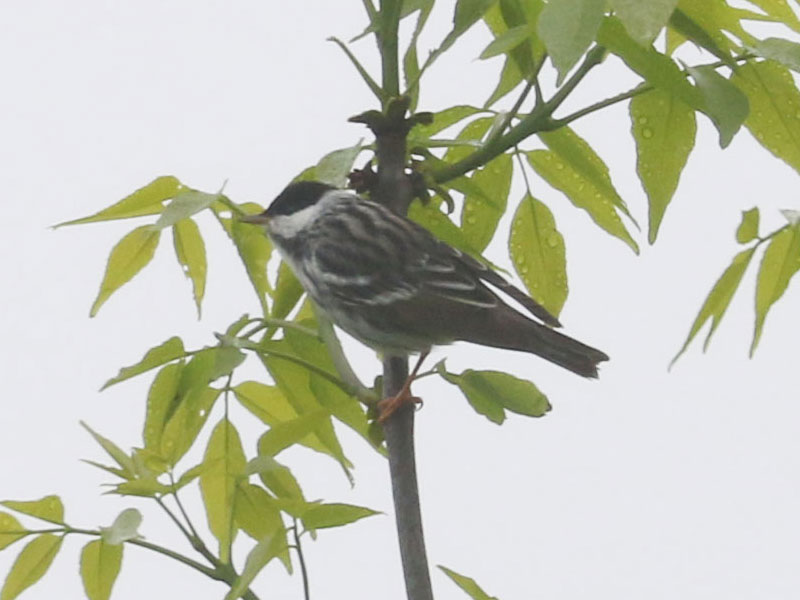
388,406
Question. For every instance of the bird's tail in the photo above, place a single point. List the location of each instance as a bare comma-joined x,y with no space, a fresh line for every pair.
529,336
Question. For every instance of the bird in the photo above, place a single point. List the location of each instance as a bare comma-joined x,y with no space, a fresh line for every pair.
398,289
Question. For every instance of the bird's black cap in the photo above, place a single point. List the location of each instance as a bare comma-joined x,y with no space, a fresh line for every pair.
297,196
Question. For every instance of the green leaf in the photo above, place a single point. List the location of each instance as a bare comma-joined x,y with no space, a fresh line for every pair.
254,249
183,206
723,102
538,254
294,382
160,398
657,69
483,210
780,10
10,530
258,558
184,424
785,52
225,462
191,252
664,129
144,201
49,508
288,292
507,41
490,393
146,487
344,407
442,120
567,28
585,189
334,167
189,476
719,19
125,527
467,584
155,357
335,515
472,133
718,299
127,258
282,435
410,61
748,228
114,451
689,29
435,221
774,118
509,14
256,512
780,262
31,565
510,78
100,565
278,478
643,20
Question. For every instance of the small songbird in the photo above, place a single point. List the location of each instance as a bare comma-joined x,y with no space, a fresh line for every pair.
392,285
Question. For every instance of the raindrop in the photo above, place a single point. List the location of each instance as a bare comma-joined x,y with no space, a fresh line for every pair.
552,239
560,166
643,120
647,133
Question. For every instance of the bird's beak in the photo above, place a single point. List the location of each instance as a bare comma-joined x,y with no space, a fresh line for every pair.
259,219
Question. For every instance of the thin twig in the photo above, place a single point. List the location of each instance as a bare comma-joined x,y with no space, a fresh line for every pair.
299,549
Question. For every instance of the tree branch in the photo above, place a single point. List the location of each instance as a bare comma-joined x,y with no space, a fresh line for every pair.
389,19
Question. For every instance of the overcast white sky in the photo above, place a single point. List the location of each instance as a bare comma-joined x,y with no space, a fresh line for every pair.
644,484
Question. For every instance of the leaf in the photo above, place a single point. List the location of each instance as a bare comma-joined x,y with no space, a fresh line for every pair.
282,435
538,254
146,487
506,41
183,206
288,292
189,476
255,511
472,133
258,558
748,228
100,565
567,28
584,190
780,262
483,211
657,69
334,167
509,14
294,382
114,451
774,118
160,398
48,508
723,102
442,120
491,392
10,530
688,28
411,69
31,565
510,78
184,424
643,20
225,463
191,252
780,10
127,258
435,221
335,515
664,129
278,478
783,51
718,299
147,200
155,357
467,584
254,249
125,527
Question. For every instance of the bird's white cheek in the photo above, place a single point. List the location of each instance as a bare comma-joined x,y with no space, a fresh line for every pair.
288,225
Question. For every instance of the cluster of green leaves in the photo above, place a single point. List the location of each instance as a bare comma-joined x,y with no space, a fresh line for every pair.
308,385
746,81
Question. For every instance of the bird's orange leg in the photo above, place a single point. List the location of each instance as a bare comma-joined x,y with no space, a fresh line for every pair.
388,406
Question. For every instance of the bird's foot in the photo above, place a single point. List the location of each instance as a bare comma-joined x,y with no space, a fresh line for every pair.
388,406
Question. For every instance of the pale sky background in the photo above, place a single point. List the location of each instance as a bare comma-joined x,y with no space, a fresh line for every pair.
644,484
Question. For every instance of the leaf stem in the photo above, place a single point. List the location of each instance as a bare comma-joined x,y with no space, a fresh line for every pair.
299,549
389,16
